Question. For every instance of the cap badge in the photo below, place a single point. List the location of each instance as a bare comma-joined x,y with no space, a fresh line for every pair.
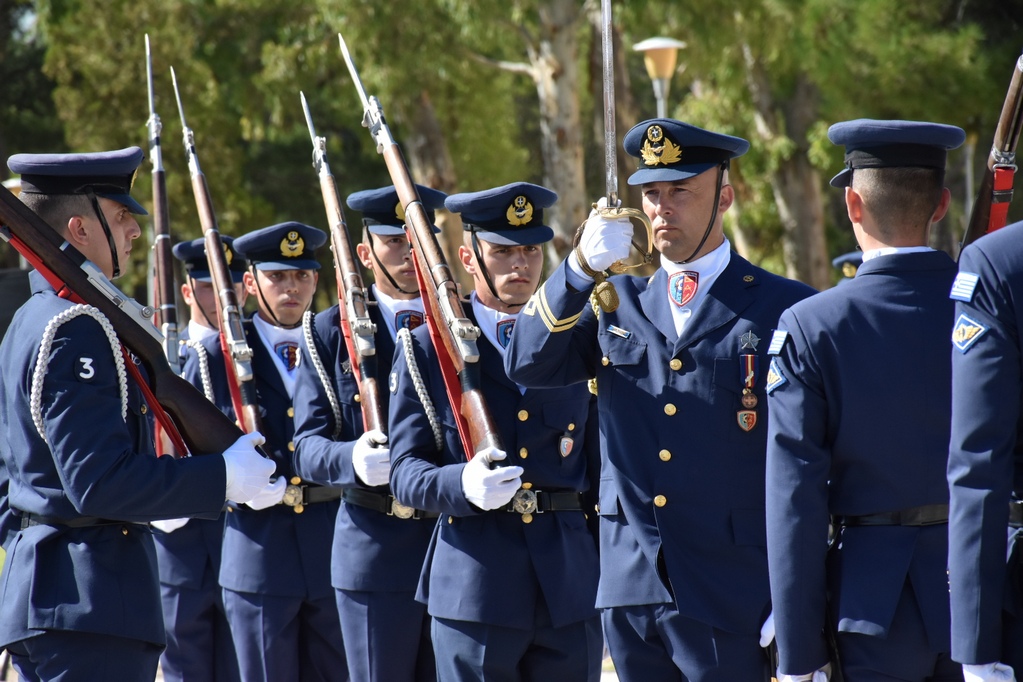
520,212
399,211
228,254
657,149
292,246
131,183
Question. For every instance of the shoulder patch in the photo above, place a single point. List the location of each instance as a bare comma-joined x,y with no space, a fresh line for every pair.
777,341
967,332
393,382
775,377
963,286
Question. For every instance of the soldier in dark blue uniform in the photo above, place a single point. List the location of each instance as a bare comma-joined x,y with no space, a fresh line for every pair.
871,352
511,572
379,545
985,463
199,645
680,368
79,592
275,567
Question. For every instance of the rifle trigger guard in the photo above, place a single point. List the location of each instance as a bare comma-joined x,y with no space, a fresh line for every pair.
613,212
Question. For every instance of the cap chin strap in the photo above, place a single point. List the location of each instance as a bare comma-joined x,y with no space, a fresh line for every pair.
384,269
205,315
106,230
266,304
486,274
713,215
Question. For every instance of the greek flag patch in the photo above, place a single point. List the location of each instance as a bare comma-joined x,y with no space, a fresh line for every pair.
775,377
967,332
777,341
962,288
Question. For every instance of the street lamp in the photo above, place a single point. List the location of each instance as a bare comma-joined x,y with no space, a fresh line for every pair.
660,55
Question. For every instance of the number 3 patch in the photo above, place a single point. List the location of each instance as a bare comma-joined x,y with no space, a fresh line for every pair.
86,373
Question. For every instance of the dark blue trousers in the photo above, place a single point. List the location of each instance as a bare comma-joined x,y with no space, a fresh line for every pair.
66,656
387,636
199,646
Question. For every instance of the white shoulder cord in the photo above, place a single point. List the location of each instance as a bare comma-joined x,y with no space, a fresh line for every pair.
39,375
314,355
405,336
204,367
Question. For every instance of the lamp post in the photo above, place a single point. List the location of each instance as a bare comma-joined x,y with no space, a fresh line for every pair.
660,55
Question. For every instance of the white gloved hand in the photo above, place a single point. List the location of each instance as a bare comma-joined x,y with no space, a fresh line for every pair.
988,672
605,240
822,675
270,495
248,472
169,525
767,631
490,488
371,461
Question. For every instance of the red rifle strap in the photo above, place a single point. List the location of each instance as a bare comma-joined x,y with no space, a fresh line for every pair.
232,385
1001,197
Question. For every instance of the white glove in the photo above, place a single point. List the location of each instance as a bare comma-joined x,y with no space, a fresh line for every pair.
169,525
490,488
605,240
248,472
822,675
988,672
372,462
270,495
767,631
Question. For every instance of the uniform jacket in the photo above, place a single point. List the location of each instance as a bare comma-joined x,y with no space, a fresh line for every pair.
271,551
98,579
985,466
492,567
372,551
185,555
682,483
860,402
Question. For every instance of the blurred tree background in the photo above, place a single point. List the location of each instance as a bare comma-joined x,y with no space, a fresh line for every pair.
480,93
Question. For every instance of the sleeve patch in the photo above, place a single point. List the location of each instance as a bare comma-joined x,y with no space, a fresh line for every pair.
967,332
86,371
775,377
963,286
393,382
777,341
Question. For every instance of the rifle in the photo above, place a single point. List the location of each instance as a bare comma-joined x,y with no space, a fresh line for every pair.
454,336
202,427
166,318
991,209
236,351
356,326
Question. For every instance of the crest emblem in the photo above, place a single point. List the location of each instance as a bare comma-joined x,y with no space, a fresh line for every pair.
657,149
747,419
288,353
292,246
682,287
565,446
966,333
520,212
407,319
504,332
399,211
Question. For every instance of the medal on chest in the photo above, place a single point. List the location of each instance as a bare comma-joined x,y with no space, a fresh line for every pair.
682,287
749,364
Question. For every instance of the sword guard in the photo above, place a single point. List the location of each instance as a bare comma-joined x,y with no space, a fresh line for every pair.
613,212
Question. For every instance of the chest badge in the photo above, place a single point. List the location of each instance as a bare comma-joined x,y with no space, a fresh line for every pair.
747,419
565,446
682,287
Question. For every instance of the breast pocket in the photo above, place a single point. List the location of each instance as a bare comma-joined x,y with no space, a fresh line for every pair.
567,420
623,363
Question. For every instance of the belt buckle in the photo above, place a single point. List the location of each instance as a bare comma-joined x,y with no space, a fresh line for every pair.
293,497
524,501
402,511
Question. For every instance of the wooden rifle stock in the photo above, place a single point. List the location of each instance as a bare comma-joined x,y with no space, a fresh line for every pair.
204,428
454,336
990,210
357,328
236,351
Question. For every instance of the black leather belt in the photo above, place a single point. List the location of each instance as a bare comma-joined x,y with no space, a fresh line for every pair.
924,515
29,520
298,495
385,504
1016,513
528,501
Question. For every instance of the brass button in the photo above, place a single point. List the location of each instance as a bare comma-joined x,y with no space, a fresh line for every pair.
527,486
604,361
144,409
358,398
675,364
523,453
124,530
298,508
670,409
596,508
523,415
291,411
660,501
291,446
571,426
451,520
527,518
295,480
665,455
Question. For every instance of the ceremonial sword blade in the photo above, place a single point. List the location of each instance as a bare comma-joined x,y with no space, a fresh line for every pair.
610,139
